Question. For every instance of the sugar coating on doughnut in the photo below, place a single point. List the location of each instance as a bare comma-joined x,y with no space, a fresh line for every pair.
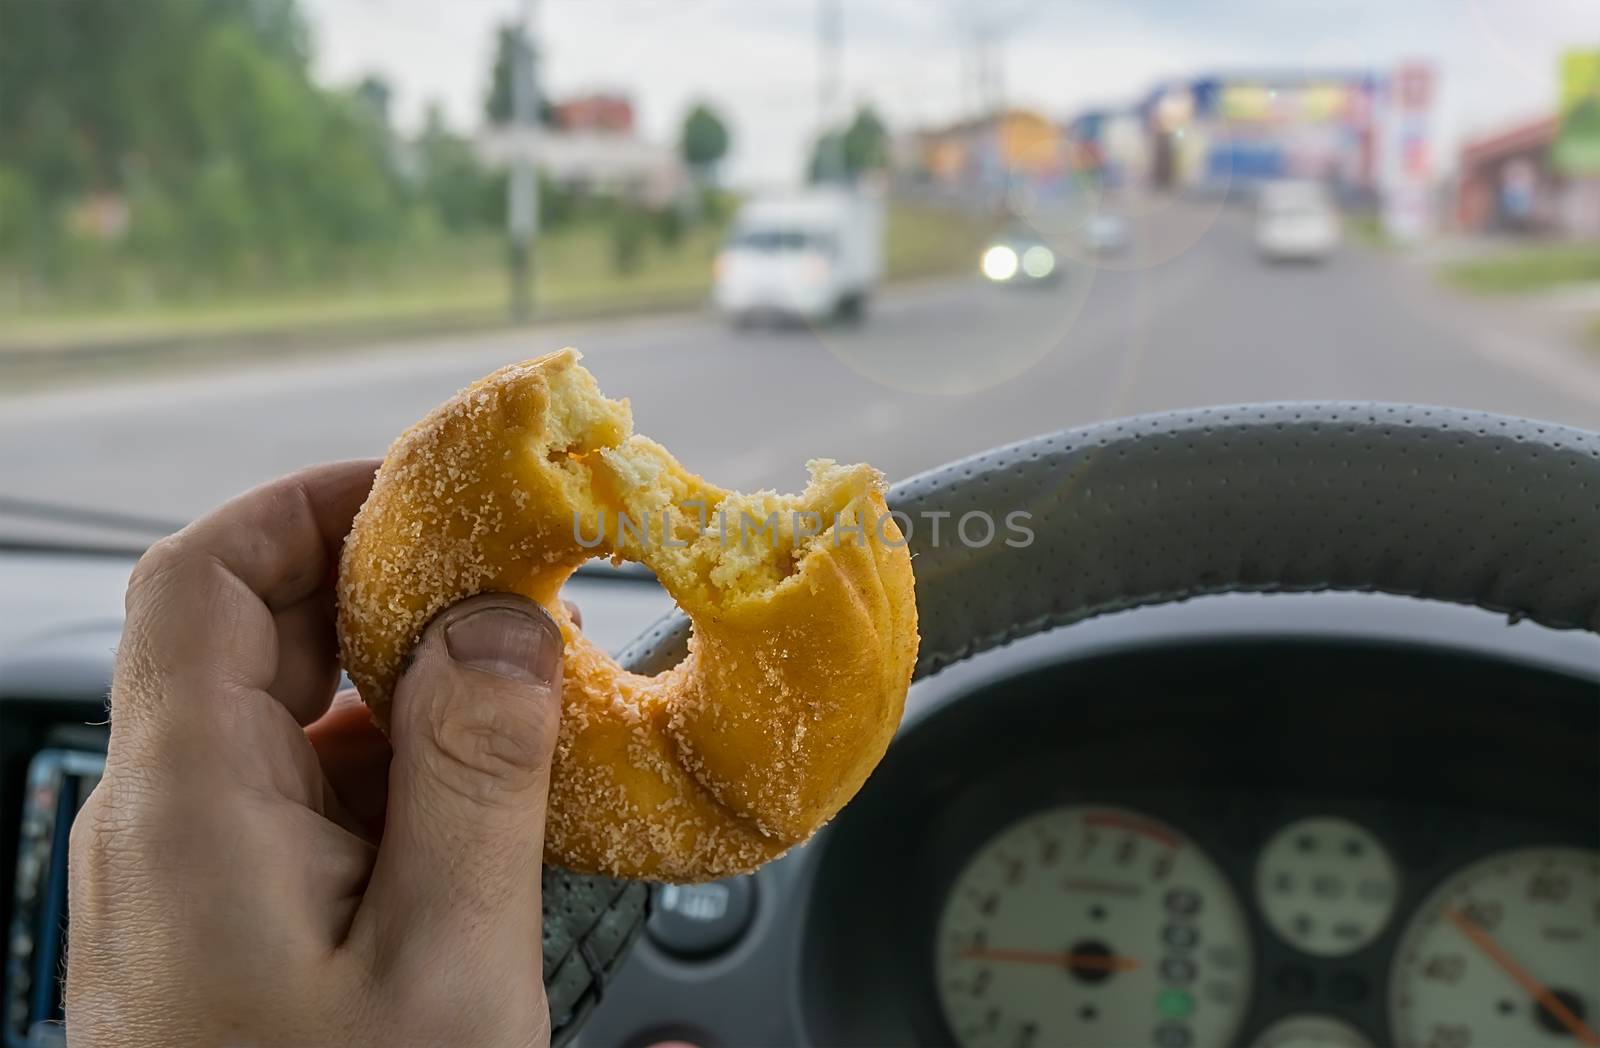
803,611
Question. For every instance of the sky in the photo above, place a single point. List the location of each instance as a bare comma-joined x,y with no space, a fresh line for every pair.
757,61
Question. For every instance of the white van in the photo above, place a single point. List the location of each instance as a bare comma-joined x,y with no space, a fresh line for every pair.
812,255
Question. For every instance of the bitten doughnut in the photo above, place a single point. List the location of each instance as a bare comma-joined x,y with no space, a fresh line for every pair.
805,622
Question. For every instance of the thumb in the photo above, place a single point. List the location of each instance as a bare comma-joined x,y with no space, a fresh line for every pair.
473,726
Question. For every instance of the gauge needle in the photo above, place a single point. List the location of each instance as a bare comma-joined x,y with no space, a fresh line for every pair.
1091,962
1534,988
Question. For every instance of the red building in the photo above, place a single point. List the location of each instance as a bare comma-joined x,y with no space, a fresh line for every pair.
597,112
1510,183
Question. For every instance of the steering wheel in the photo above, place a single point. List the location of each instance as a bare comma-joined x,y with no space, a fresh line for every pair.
1447,505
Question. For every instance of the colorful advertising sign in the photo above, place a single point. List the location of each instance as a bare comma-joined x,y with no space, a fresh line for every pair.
1577,145
1408,161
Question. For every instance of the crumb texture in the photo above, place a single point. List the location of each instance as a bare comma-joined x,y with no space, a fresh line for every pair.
803,610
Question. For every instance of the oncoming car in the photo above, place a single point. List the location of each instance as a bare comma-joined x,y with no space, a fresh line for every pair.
1106,233
1019,257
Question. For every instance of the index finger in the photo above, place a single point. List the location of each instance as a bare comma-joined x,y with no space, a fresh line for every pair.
206,603
282,539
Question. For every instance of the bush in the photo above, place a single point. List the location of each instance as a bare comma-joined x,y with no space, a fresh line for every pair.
18,211
628,229
669,226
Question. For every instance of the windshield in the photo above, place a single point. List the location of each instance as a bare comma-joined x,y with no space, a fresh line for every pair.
242,236
779,240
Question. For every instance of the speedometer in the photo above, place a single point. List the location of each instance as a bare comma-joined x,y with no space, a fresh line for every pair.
1092,926
1505,952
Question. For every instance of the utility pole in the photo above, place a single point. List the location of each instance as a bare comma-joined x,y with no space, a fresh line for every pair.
988,90
829,140
522,188
993,89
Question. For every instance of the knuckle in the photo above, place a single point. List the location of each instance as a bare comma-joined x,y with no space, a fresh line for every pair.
95,850
166,586
175,569
155,568
486,750
103,836
83,846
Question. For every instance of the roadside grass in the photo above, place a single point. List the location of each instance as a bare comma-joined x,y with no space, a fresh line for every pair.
1528,269
462,284
924,240
463,281
1367,228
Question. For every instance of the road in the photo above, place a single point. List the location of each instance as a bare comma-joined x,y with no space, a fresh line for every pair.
1187,317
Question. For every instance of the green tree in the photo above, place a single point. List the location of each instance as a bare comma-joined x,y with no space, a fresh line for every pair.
202,115
704,140
374,92
315,166
844,155
450,179
87,84
498,104
866,142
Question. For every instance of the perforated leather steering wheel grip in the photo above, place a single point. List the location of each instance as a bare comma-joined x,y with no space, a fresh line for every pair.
1446,505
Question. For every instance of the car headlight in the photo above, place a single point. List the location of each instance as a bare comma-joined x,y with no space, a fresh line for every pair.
1038,261
1000,263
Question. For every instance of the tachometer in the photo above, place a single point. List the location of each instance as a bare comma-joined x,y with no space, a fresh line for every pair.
1092,926
1506,951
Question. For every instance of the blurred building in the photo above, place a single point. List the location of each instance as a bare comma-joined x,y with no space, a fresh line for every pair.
1506,182
591,148
986,156
1509,182
1541,176
600,112
1110,144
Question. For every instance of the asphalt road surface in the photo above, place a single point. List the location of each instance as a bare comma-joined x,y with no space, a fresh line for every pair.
1188,316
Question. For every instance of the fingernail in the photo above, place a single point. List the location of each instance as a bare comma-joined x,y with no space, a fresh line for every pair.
522,645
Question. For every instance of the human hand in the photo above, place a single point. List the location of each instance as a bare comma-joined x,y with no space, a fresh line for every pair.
228,881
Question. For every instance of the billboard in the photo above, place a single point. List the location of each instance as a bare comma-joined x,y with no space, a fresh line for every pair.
1577,145
1407,183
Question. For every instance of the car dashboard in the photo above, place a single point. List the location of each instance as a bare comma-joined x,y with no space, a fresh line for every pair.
1208,843
1308,819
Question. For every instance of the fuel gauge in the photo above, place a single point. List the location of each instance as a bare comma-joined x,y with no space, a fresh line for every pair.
1326,885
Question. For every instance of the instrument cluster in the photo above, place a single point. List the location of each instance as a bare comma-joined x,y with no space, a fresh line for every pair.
1091,924
1301,845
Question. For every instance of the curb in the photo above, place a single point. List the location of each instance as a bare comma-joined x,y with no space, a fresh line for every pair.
25,368
32,366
